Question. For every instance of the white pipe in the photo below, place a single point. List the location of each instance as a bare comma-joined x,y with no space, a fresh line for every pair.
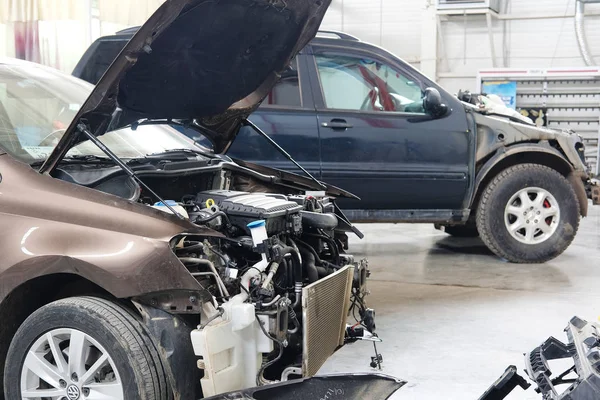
518,17
259,235
254,271
272,272
580,33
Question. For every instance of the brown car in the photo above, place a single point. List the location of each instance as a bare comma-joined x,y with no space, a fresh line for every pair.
137,264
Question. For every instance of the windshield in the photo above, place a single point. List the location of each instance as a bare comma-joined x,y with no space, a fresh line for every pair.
37,104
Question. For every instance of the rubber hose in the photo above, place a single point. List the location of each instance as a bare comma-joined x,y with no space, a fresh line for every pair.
308,261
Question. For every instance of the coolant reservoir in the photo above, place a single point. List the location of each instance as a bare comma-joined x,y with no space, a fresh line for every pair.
174,205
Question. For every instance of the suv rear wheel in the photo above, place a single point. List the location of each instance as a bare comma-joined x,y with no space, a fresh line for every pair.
80,348
529,213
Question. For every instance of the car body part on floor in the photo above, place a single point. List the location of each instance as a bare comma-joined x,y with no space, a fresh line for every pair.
139,264
358,117
348,387
579,382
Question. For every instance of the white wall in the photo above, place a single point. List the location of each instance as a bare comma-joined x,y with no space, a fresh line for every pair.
393,24
397,26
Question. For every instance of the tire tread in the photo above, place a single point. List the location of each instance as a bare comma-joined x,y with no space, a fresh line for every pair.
131,336
483,211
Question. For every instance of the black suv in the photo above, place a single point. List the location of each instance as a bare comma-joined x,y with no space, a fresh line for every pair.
358,117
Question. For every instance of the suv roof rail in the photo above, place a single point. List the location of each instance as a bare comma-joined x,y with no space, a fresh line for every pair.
128,31
339,35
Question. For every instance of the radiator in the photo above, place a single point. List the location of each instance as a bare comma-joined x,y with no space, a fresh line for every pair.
325,305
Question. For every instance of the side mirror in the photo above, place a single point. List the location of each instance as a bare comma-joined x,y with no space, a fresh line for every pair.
432,103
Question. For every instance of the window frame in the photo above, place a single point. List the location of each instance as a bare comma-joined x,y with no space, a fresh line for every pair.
306,96
319,96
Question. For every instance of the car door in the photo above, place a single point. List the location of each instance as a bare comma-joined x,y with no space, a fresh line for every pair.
376,139
288,116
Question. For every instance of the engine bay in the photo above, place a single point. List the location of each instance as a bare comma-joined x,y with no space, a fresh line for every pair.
261,278
282,284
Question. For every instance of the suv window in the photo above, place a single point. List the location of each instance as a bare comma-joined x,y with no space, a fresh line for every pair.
286,92
354,83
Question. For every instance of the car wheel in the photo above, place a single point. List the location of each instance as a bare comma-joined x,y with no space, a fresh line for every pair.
83,348
529,213
464,231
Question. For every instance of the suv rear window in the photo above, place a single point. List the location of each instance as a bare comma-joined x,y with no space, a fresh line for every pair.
286,92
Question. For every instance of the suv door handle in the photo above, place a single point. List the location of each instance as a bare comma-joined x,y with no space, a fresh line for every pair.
337,124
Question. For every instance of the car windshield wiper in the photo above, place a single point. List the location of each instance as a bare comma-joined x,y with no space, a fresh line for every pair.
283,152
78,158
175,151
87,158
169,155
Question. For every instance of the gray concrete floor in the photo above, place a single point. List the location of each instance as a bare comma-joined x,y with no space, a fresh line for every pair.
453,316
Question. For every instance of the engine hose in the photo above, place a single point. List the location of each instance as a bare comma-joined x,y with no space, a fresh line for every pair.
297,268
295,321
311,268
308,262
332,246
213,216
190,249
311,249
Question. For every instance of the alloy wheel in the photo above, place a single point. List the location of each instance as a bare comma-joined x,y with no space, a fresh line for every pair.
67,364
532,215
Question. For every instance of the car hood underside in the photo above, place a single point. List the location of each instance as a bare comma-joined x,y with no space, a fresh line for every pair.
205,61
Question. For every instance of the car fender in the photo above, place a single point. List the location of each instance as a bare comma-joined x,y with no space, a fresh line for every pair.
146,270
50,227
574,177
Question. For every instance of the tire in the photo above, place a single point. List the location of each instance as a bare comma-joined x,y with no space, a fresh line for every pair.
462,231
108,329
520,186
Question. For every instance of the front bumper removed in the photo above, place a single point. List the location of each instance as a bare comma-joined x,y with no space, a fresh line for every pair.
346,386
579,382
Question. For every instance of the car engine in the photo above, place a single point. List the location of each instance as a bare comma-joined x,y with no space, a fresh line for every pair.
282,286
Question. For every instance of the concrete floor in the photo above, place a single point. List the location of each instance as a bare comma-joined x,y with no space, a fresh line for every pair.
453,316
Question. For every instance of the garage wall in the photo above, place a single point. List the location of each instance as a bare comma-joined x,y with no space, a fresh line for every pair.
57,32
531,42
398,25
393,24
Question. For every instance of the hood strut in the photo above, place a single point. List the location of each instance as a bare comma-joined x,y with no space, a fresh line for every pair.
83,129
282,151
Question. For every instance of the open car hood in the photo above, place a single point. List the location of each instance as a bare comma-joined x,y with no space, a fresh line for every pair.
208,62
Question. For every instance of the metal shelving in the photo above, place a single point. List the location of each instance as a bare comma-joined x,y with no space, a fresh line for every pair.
570,95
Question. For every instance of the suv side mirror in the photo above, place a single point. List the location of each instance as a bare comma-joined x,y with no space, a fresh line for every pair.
432,103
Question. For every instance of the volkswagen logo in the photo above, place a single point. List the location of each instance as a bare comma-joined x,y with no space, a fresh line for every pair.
73,392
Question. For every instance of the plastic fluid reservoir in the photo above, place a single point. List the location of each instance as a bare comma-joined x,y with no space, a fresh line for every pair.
258,231
174,205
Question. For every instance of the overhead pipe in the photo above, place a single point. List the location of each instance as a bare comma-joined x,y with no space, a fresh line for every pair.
580,32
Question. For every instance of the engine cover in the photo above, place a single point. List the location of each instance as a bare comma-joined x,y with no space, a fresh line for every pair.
279,213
